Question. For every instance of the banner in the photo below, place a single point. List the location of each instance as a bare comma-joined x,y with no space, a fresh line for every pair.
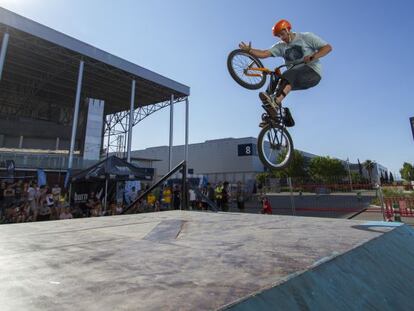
41,177
131,190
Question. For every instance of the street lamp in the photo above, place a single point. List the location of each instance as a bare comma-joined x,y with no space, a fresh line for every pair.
349,173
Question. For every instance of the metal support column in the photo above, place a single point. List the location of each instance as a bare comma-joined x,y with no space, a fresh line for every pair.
186,130
349,174
131,120
185,204
75,115
171,133
109,137
3,52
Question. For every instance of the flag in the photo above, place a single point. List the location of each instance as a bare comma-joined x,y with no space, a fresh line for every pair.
67,179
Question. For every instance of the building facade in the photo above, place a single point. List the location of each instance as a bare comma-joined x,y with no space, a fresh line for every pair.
227,159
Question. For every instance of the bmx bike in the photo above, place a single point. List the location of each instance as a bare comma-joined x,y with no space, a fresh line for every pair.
274,143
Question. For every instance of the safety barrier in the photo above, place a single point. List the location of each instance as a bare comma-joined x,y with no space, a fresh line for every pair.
397,207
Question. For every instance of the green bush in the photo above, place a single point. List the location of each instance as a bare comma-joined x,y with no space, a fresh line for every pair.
376,201
389,192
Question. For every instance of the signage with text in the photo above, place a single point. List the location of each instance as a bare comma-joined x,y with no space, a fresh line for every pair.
246,150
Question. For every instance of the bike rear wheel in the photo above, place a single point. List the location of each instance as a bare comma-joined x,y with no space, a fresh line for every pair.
237,62
275,147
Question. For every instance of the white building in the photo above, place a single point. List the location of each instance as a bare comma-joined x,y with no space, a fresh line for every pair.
227,159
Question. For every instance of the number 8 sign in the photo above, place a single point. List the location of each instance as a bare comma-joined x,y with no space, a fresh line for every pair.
246,150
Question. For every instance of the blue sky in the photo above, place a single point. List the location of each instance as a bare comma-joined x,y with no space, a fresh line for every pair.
360,109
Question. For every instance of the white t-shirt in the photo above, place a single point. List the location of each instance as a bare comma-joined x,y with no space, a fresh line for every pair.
304,44
31,194
192,195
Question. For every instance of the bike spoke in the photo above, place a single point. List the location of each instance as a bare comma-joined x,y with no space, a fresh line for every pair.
277,144
239,64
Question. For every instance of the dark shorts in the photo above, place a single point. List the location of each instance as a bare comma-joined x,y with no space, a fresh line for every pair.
302,78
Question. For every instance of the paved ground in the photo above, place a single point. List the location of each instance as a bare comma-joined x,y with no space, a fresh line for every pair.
173,260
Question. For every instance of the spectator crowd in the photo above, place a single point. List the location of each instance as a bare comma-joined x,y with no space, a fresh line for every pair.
25,201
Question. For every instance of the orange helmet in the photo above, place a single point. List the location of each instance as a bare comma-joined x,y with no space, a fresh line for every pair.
280,25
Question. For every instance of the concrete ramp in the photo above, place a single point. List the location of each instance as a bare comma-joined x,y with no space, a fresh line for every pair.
376,275
206,261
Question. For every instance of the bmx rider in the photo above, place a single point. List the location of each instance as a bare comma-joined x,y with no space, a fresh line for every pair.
294,47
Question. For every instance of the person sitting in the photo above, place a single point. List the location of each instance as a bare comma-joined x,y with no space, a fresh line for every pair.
65,213
266,207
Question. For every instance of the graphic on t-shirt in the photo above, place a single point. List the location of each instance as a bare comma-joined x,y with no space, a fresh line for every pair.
293,53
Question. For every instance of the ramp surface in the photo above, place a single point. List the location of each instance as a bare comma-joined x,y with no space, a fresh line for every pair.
204,261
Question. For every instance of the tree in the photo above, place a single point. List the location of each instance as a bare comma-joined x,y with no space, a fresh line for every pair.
369,166
407,171
386,177
261,178
358,179
296,167
326,169
360,168
391,178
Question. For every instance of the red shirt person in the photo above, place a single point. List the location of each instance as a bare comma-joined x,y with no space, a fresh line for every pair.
266,207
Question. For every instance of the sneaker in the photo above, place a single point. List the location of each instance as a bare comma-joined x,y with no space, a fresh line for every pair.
267,100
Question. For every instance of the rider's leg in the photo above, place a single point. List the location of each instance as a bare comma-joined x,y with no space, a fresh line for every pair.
283,89
273,96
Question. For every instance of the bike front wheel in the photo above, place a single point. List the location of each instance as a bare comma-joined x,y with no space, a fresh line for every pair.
275,147
238,63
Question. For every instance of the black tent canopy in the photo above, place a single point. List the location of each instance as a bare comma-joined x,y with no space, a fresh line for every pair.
113,168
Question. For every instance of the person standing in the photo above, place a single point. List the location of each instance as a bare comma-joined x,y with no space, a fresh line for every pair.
176,197
167,197
218,194
225,197
32,199
240,196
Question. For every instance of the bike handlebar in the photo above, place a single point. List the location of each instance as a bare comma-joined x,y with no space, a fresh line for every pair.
277,69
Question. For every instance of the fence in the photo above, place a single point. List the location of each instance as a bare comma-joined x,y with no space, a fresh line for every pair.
304,197
397,207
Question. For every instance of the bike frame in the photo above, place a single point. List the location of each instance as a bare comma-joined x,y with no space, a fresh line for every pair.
267,71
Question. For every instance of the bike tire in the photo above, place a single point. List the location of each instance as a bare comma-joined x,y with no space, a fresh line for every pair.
261,148
251,83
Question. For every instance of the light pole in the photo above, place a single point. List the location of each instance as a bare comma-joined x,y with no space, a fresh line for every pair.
349,174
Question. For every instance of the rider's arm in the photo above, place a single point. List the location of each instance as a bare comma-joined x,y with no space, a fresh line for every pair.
260,53
322,51
255,52
320,46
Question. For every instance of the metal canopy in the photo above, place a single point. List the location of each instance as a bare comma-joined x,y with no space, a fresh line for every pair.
41,68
